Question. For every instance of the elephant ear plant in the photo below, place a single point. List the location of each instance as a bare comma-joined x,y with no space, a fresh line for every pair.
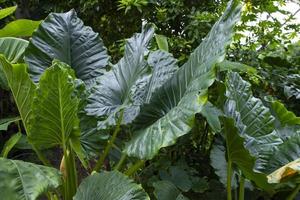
254,133
68,95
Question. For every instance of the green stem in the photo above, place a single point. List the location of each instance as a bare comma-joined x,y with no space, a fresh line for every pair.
121,161
294,193
229,177
70,174
242,187
134,167
109,144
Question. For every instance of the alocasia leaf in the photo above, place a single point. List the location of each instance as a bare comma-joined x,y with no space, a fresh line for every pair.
237,154
171,109
118,88
26,181
109,186
54,110
63,36
13,49
22,90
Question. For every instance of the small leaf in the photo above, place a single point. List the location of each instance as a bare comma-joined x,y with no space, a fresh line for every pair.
212,114
283,115
9,144
162,42
7,11
235,66
4,123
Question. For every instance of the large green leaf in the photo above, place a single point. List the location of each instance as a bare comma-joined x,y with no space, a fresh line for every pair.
64,37
21,86
171,109
13,48
7,11
162,42
252,117
19,28
131,82
253,120
237,154
26,181
109,186
54,110
285,166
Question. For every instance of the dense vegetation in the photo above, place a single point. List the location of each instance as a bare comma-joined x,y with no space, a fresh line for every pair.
198,104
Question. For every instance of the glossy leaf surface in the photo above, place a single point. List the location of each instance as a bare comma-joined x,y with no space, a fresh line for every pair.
63,36
109,186
171,109
26,181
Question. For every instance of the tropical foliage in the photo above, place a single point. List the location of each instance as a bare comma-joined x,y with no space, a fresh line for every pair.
115,124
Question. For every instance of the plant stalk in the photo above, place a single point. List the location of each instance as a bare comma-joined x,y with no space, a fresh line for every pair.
134,167
229,177
121,161
109,143
68,168
242,187
294,193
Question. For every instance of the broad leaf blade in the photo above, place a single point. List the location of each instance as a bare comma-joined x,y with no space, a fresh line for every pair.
109,186
22,90
117,88
54,110
64,37
13,49
239,155
171,110
251,116
19,28
163,67
26,181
